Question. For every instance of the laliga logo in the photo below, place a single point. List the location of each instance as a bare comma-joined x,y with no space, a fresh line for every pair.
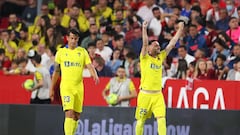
184,99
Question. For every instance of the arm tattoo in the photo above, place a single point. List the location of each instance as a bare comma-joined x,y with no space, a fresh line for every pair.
57,67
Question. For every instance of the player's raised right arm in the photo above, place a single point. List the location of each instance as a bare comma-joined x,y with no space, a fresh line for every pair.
55,77
145,38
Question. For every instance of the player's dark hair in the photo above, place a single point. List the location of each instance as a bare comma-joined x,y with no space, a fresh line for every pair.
37,58
74,31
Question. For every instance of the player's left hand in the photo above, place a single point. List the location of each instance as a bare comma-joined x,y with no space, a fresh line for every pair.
181,25
96,79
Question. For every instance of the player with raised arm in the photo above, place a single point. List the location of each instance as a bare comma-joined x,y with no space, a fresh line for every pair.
70,61
150,98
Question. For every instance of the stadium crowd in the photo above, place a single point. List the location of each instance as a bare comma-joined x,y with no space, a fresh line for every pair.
110,30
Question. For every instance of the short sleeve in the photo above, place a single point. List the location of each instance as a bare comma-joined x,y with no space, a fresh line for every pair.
131,86
38,75
57,56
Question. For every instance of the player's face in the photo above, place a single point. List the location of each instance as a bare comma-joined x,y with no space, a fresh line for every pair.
72,40
121,73
155,48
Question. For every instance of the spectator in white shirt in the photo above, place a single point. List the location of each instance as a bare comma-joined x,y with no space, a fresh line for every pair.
234,74
213,13
104,51
145,12
156,24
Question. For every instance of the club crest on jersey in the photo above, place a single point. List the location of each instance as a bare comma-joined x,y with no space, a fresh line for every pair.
154,66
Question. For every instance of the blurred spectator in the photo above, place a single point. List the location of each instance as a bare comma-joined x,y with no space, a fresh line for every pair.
115,61
155,24
44,12
224,37
238,10
55,22
213,13
122,86
29,13
182,54
219,67
118,28
195,12
167,6
13,6
51,52
42,80
200,54
181,69
13,70
5,63
22,66
118,16
234,30
45,60
191,70
233,57
104,51
222,23
201,72
220,48
211,36
14,23
101,11
14,36
119,44
234,74
209,64
186,8
94,34
101,68
9,46
145,12
231,9
195,40
77,13
136,43
131,69
92,50
20,54
52,38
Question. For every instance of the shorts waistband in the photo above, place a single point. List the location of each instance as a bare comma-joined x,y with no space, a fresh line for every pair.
151,91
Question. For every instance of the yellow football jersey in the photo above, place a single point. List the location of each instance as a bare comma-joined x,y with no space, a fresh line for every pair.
151,71
72,63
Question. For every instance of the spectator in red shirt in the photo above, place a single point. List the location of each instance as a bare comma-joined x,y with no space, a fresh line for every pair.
201,72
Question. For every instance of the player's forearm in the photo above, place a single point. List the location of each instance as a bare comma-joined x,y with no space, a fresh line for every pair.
132,95
92,71
144,36
55,77
174,40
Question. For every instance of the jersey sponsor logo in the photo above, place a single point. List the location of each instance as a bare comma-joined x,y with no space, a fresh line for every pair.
154,66
71,64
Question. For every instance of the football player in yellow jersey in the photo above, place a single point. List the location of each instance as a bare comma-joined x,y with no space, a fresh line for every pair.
150,98
71,60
